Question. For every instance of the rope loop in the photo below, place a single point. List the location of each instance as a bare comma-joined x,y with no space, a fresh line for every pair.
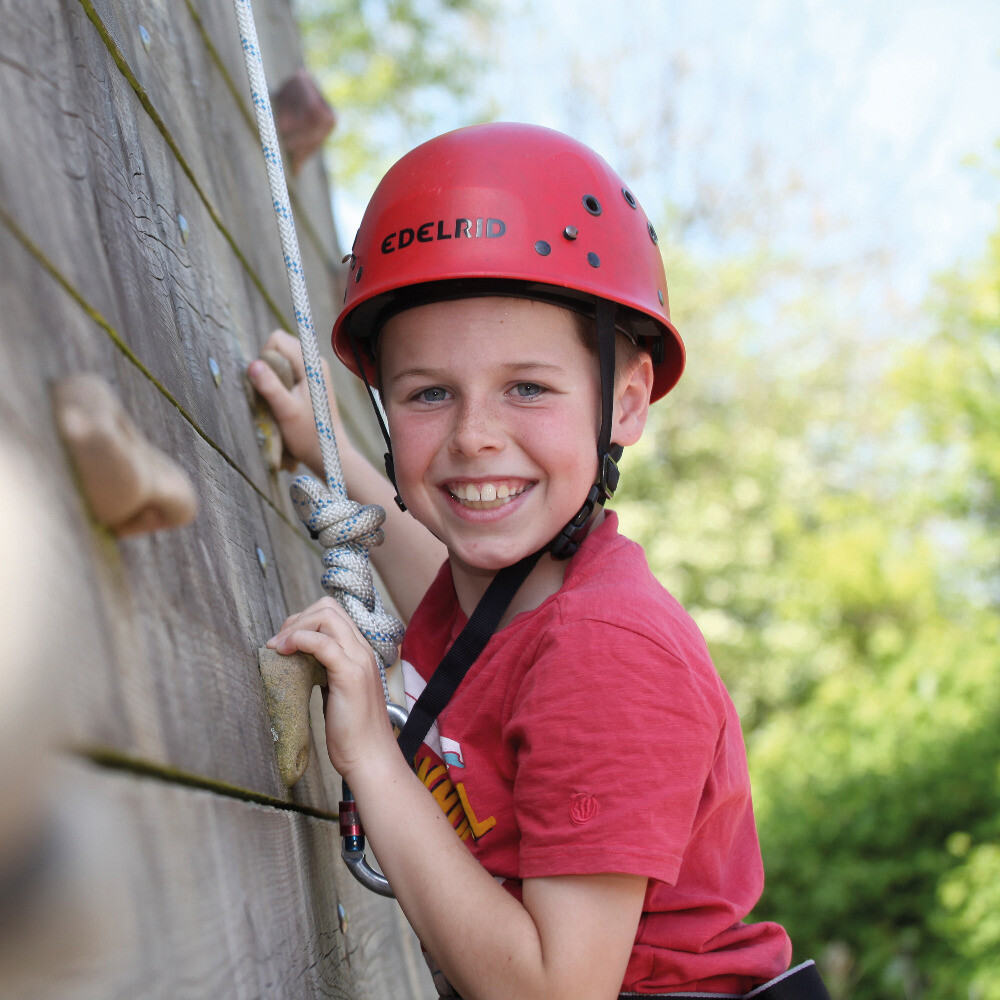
347,530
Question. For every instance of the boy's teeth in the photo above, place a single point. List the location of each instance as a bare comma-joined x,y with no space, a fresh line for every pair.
486,493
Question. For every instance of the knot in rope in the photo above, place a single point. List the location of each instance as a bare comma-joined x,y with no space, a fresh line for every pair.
347,530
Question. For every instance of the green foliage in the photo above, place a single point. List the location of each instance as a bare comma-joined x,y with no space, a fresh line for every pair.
953,384
832,526
386,66
865,797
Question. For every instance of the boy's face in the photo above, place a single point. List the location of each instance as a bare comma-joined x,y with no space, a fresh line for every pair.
494,409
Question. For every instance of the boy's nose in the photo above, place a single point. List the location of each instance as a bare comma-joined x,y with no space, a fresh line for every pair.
476,430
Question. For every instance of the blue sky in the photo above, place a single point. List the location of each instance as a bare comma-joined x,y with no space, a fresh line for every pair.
851,119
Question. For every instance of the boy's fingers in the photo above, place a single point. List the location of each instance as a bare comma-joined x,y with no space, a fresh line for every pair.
288,346
325,617
332,650
267,382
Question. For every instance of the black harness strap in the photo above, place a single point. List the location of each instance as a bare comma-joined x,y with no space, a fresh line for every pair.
463,653
801,983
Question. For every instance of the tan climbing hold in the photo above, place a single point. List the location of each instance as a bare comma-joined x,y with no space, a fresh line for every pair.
288,684
303,118
268,433
130,485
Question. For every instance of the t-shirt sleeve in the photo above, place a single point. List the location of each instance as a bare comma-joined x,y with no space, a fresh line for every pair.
614,739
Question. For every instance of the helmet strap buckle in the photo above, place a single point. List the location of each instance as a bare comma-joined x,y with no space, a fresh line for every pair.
390,471
607,483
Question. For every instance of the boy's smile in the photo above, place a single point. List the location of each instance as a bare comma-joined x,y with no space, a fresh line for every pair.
493,407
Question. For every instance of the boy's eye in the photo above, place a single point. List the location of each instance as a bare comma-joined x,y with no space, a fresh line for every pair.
528,390
435,394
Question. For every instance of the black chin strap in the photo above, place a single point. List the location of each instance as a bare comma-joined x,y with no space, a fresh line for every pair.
565,543
390,467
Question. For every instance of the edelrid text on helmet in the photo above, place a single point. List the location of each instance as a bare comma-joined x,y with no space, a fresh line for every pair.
427,233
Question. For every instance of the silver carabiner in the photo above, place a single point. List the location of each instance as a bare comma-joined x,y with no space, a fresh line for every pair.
352,846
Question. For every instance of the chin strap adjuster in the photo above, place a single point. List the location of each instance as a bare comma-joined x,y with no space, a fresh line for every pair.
565,543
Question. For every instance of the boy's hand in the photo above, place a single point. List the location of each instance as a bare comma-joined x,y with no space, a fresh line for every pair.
358,730
292,408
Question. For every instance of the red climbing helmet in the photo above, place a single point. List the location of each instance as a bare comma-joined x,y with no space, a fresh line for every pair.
507,209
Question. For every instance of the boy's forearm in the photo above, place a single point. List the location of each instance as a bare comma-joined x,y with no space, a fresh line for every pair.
484,940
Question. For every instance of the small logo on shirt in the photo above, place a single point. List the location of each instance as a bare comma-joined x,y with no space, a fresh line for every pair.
583,807
451,752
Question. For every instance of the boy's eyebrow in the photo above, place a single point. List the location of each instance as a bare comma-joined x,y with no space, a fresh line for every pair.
512,368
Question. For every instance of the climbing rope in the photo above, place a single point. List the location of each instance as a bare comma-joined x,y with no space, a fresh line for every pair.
344,528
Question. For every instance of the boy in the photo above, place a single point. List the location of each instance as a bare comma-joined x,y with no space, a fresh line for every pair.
507,297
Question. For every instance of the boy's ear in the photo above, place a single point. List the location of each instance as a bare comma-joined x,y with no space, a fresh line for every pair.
632,393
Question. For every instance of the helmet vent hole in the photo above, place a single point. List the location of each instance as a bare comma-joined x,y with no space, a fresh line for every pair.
357,274
659,295
652,233
591,204
593,260
542,248
629,197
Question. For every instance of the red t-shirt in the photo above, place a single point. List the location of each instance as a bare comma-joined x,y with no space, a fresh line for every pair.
593,735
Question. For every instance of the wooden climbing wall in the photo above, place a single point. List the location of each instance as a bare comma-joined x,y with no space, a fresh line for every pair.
138,242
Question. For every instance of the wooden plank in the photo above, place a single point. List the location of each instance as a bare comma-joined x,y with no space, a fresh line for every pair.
73,124
179,894
281,52
90,180
207,118
210,136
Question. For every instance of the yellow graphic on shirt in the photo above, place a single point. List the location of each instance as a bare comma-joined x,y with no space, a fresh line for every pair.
453,800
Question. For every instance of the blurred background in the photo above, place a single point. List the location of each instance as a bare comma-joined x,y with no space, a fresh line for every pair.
822,490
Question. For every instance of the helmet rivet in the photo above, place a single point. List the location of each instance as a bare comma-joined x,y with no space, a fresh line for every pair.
542,248
593,260
591,204
629,197
652,232
571,232
659,295
357,274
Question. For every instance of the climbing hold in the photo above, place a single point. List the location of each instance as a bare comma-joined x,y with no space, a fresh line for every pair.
288,683
130,485
268,434
213,367
147,42
182,225
302,117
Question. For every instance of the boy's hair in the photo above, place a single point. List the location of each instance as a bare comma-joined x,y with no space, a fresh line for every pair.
627,349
